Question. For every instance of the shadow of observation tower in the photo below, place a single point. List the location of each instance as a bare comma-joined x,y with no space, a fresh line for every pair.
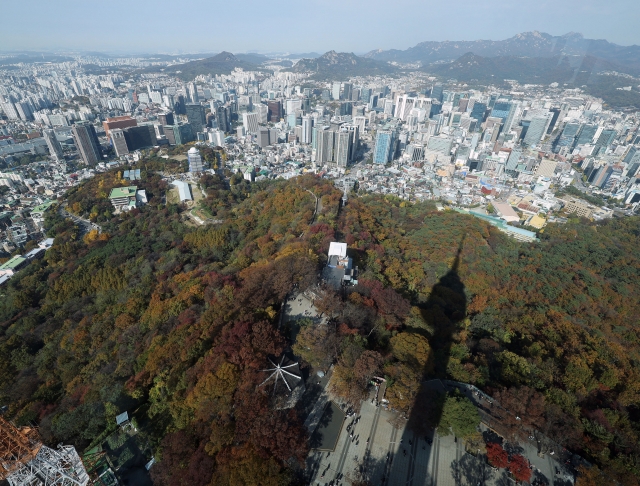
418,454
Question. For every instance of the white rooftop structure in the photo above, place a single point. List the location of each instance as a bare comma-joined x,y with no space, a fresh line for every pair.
184,190
338,249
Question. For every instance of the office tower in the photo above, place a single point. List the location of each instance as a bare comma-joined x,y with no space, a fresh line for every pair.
354,132
501,109
86,140
335,91
250,122
223,117
586,134
216,137
55,149
568,136
437,92
179,134
167,101
195,116
156,97
24,110
195,161
307,126
273,136
537,129
165,118
347,91
403,107
385,147
275,111
554,119
342,148
118,122
605,139
179,105
478,111
119,142
193,92
140,137
324,145
263,137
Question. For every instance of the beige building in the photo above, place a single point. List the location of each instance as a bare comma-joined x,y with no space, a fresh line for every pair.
577,206
547,168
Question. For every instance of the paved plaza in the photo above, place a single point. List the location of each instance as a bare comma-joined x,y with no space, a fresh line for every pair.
397,457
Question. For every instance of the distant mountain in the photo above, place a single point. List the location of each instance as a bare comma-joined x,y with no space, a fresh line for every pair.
342,65
253,58
223,63
574,71
527,44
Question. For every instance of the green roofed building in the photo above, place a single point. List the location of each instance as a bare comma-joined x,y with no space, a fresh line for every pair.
121,197
11,266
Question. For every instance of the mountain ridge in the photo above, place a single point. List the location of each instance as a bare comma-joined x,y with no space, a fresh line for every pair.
525,44
337,65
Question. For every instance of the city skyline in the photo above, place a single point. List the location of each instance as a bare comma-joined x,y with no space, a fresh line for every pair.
121,27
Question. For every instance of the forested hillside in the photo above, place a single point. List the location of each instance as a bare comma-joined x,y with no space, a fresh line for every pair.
175,322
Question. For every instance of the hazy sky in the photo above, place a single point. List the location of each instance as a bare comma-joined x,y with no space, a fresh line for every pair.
190,26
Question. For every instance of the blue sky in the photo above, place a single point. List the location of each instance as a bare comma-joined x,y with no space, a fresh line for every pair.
190,26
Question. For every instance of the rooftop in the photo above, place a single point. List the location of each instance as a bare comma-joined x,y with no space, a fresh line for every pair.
118,192
13,263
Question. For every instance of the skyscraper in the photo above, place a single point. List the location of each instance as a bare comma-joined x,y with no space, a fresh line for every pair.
537,129
275,111
436,92
307,126
86,140
384,149
342,148
586,134
193,92
55,149
165,118
346,91
195,116
324,145
119,142
335,91
250,122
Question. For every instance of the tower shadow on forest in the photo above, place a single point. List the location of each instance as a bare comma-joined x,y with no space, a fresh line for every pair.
421,448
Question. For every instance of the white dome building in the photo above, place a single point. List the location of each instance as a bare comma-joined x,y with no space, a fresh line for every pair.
195,161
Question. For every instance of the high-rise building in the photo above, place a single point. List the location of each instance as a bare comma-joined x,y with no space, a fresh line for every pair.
586,134
568,136
275,111
192,92
119,122
223,118
119,142
263,137
437,92
86,140
140,137
10,110
385,147
342,148
55,149
165,118
250,122
324,145
335,91
347,91
404,105
307,127
196,116
179,134
216,137
478,111
195,161
537,129
24,110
